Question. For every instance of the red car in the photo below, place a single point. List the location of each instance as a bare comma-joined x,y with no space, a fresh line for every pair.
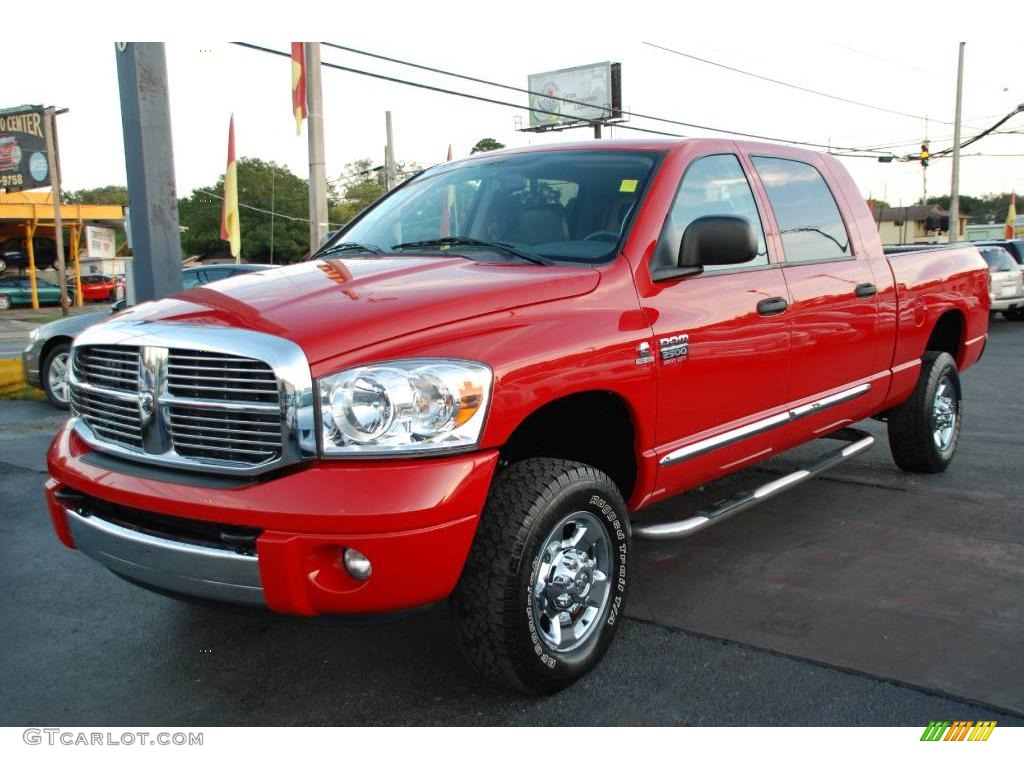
96,287
478,388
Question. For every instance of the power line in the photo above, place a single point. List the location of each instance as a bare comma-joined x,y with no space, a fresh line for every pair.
470,78
794,86
211,193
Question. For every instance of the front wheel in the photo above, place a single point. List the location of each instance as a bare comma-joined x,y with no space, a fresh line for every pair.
5,302
544,588
925,430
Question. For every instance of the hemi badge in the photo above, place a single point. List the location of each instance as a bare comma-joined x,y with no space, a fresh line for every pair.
643,353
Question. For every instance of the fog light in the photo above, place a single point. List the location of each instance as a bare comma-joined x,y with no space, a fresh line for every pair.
357,564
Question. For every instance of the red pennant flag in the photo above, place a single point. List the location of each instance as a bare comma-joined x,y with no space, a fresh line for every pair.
298,85
449,153
1011,218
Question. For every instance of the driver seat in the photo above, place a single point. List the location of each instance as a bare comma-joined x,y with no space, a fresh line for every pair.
542,224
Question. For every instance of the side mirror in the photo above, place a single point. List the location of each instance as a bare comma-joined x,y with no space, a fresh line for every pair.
117,306
717,240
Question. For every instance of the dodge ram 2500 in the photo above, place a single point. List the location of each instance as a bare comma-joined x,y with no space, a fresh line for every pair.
476,389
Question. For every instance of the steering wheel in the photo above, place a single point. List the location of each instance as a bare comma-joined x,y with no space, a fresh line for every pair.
603,234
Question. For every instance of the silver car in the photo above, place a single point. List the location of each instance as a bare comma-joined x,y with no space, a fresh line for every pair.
1006,281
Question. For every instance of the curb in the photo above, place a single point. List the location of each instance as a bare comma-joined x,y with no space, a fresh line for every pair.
13,385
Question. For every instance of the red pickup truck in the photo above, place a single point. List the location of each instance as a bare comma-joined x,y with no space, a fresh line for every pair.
476,389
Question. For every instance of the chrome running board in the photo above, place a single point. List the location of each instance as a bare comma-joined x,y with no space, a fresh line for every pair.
858,442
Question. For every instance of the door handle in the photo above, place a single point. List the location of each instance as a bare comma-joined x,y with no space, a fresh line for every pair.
864,290
773,306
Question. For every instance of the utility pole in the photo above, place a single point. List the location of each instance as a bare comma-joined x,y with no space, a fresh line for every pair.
317,164
149,162
58,224
597,130
390,175
954,196
272,209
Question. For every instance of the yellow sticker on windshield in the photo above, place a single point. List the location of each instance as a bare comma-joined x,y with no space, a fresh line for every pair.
628,185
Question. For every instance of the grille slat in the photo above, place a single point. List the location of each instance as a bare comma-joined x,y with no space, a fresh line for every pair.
230,450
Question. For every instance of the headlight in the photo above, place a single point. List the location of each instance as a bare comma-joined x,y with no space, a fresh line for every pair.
405,406
33,335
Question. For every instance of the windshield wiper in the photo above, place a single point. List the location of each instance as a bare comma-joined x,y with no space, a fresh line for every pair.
454,242
349,247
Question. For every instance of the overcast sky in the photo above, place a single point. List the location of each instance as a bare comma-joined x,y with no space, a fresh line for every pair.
893,59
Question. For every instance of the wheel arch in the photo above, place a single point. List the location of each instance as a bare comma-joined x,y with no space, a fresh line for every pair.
596,427
948,335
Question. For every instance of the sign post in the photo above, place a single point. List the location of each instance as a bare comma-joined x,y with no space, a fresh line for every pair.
58,224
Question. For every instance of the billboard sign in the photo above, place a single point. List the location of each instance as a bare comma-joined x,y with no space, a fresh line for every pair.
591,93
23,156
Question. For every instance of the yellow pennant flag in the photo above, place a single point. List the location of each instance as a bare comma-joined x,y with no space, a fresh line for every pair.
230,227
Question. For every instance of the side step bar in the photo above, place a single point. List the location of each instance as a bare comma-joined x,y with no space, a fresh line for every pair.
857,441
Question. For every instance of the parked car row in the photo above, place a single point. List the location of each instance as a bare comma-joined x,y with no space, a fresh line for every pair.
1005,281
47,358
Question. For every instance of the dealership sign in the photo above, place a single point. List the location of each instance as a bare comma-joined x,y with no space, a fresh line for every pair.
100,242
23,157
591,93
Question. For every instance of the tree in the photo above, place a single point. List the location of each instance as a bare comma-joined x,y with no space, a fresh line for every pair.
262,187
359,186
486,145
108,195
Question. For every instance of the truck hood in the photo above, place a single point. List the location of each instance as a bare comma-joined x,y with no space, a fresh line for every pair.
333,306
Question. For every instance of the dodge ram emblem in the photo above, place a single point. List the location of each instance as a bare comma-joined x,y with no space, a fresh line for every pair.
146,405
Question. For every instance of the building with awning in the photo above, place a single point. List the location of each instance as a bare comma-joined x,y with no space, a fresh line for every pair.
29,215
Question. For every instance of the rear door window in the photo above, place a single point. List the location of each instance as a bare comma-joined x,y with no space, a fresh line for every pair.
809,221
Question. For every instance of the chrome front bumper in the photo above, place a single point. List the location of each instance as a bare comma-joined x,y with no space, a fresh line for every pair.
190,569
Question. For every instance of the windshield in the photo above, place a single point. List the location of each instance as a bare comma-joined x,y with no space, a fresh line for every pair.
567,205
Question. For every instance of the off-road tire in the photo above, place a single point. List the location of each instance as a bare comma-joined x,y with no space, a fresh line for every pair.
912,424
492,603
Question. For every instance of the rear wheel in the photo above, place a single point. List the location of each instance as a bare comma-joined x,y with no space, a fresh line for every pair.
1014,314
5,302
55,375
925,430
544,587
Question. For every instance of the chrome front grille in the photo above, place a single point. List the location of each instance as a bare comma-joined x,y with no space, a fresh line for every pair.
178,395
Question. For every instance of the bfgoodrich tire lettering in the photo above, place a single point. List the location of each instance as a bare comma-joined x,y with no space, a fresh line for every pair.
498,625
924,431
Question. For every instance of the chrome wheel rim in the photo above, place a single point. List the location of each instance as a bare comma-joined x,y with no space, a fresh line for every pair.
570,581
57,377
5,303
944,413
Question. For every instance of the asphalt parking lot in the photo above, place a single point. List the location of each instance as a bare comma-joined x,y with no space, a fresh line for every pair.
865,597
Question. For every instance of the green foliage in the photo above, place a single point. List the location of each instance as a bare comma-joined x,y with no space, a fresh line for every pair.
486,145
108,195
359,186
987,209
261,184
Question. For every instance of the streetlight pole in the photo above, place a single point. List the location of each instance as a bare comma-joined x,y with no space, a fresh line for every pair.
954,196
